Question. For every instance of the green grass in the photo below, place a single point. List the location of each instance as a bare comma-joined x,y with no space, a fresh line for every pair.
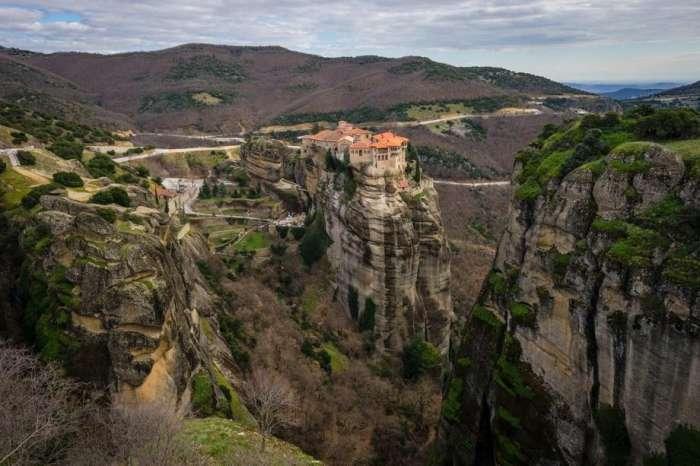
420,112
487,317
238,410
16,186
339,362
228,442
310,299
689,150
253,241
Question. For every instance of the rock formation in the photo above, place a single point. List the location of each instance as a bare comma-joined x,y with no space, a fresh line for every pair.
116,296
591,313
388,251
276,167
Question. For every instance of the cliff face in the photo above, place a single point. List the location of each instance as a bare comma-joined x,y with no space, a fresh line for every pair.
278,168
591,312
116,296
388,251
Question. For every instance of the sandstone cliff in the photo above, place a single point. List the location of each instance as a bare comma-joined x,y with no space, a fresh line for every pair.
586,332
116,296
278,169
388,251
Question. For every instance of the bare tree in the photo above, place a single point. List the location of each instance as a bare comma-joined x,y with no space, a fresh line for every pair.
35,408
272,401
135,435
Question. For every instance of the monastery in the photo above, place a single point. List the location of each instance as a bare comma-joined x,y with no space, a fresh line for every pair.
356,146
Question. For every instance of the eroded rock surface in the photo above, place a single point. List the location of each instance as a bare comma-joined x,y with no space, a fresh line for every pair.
117,297
388,249
592,302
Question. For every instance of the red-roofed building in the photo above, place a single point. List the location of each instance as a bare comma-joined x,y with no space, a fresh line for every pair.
385,151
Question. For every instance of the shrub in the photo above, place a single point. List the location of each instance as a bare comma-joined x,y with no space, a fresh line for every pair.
523,315
298,232
127,178
278,248
32,197
613,431
134,151
107,214
487,317
669,124
111,196
235,336
18,137
683,446
101,165
452,405
142,171
70,179
315,241
353,301
529,191
367,317
26,158
202,395
560,264
282,231
307,348
325,360
67,149
419,357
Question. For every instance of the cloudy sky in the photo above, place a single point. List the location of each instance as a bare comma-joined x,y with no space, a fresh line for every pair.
568,40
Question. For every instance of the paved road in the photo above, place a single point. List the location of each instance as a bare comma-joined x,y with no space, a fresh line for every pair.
459,116
158,152
472,184
203,136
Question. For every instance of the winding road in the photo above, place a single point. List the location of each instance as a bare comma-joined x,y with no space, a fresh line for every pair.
472,184
194,136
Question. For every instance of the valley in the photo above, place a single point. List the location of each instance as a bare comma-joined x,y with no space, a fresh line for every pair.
250,255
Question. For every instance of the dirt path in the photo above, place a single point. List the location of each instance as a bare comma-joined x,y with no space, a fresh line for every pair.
32,175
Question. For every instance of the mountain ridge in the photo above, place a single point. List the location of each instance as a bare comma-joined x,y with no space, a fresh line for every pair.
206,87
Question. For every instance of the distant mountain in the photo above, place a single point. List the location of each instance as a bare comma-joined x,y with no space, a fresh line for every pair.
630,93
689,90
605,88
227,88
682,96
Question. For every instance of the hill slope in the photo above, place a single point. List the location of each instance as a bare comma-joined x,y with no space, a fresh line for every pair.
690,89
42,90
227,88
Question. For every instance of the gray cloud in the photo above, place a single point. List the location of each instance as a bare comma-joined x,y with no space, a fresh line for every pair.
456,28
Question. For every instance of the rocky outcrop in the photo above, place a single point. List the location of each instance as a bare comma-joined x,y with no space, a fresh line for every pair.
592,307
275,167
116,296
388,251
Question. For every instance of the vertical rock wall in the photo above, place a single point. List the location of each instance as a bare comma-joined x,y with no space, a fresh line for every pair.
594,289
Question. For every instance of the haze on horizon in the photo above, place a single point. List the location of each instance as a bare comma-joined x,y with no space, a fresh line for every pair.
566,40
